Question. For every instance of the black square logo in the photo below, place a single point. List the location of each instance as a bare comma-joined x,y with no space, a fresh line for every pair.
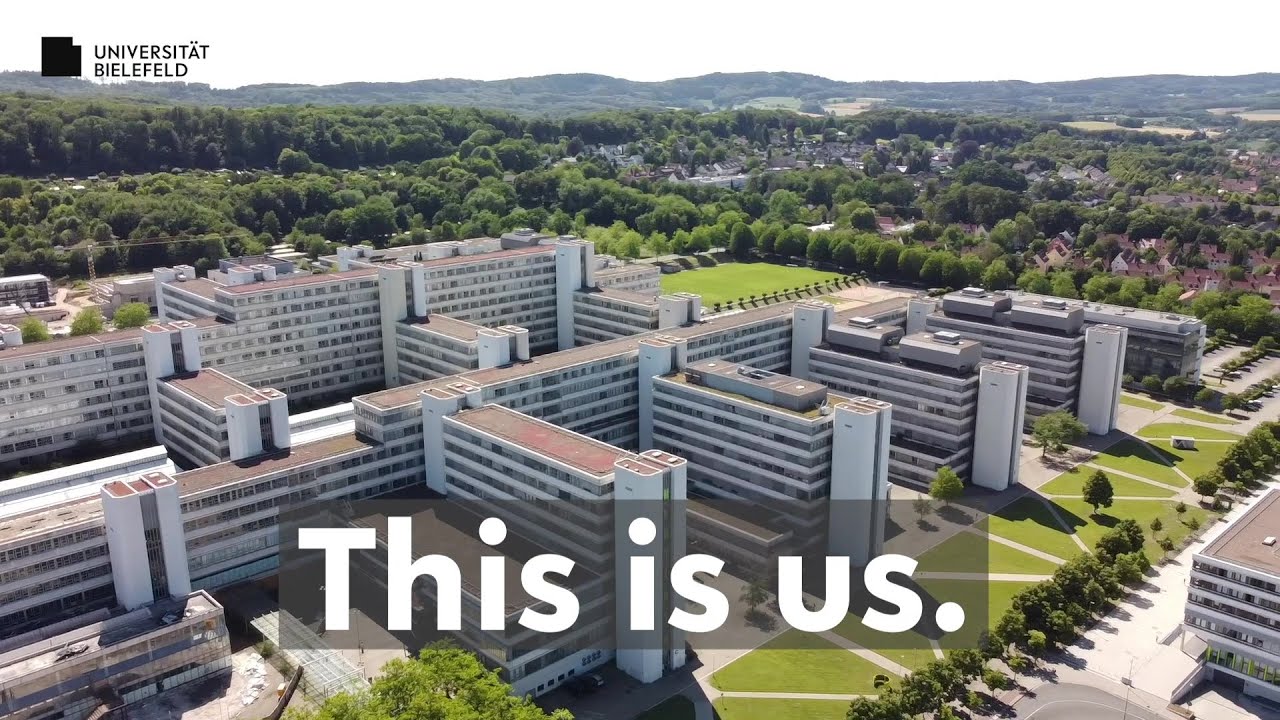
59,57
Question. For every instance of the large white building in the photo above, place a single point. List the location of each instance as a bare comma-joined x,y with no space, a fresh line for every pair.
1233,602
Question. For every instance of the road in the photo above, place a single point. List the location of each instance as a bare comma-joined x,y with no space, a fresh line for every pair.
1072,702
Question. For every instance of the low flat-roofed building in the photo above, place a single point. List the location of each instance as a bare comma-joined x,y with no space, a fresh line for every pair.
1233,602
25,289
107,661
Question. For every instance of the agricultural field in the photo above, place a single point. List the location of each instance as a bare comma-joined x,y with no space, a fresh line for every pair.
847,108
773,102
1272,115
727,282
1099,125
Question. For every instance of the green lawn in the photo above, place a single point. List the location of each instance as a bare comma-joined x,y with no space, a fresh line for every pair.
1134,457
1071,482
1204,417
727,282
1135,401
678,707
993,597
799,662
1029,522
1199,432
969,553
1142,512
909,649
1198,461
777,709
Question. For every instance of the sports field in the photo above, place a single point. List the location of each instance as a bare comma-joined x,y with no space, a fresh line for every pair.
727,282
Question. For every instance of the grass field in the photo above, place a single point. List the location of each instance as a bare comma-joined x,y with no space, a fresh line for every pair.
1135,458
1199,432
678,707
773,102
909,649
1198,461
802,663
995,597
1204,417
1029,522
1098,125
847,108
1142,512
728,708
727,282
1071,483
1135,401
969,553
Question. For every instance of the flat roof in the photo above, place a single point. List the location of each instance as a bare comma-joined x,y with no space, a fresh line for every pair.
207,386
22,278
204,287
49,518
627,296
296,281
1241,542
215,476
445,325
577,451
450,525
69,344
406,394
41,653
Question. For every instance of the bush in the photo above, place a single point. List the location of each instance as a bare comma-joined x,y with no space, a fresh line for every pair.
879,681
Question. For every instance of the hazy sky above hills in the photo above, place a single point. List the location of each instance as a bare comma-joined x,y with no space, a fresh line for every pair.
324,42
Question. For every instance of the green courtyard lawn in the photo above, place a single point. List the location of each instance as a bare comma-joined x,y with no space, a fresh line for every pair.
1194,461
800,663
1135,401
1199,432
1142,512
1071,483
975,596
731,708
677,707
727,282
1204,417
1135,458
1029,522
910,650
966,552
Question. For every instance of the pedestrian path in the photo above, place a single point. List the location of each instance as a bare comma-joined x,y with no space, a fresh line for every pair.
868,655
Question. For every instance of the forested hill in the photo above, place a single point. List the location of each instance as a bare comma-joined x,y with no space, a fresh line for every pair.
560,95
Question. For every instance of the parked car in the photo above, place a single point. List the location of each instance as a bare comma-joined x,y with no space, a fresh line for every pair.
584,684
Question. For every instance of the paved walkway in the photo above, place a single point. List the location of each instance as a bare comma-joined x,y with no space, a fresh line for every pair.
868,655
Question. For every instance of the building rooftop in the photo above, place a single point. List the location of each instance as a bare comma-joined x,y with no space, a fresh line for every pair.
72,344
784,393
452,525
38,654
1242,542
207,386
49,518
577,451
298,281
203,287
457,329
407,394
322,451
14,279
626,296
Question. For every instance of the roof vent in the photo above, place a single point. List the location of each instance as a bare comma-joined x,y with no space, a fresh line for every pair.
862,322
1055,304
948,337
973,292
1269,541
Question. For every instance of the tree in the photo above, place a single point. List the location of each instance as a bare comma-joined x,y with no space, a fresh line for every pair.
1180,508
1166,544
1232,401
1052,431
1152,383
131,315
997,276
33,330
291,162
1037,642
1206,486
1205,395
922,506
1156,526
1098,491
1193,524
87,322
754,595
946,486
444,681
741,241
994,680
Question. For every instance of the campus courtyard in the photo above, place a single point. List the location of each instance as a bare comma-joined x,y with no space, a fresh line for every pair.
989,551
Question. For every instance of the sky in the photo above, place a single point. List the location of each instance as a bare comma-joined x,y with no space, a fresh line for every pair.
324,42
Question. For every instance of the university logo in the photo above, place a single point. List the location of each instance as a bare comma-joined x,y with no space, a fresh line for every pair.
59,57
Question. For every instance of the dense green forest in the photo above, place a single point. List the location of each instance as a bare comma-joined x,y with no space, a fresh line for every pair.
560,95
151,186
